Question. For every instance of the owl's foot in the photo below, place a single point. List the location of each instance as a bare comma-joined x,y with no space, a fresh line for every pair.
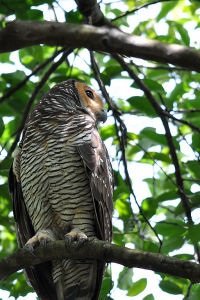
76,235
42,237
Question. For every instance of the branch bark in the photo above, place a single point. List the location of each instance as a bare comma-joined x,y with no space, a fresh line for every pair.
20,34
95,249
90,8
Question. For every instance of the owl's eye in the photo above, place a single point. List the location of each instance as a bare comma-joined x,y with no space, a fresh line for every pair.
90,94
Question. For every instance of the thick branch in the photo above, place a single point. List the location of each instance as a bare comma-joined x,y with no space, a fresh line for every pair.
100,250
90,8
20,34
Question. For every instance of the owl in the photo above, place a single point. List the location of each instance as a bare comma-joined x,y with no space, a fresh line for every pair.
61,182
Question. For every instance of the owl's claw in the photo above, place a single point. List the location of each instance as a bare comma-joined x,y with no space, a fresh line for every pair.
76,235
42,237
30,247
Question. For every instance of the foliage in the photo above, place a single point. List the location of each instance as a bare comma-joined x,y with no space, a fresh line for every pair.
174,227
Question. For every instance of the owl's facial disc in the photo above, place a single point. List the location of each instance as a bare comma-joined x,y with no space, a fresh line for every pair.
91,101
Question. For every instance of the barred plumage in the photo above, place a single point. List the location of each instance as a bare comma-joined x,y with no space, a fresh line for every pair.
61,183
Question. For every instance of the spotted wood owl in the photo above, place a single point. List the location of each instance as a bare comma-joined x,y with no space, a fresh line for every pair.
61,182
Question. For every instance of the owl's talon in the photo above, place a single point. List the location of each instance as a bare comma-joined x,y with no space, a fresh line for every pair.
82,240
68,240
42,237
44,242
76,235
30,247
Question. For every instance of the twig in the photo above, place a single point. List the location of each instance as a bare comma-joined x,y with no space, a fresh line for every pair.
188,291
195,128
170,69
186,111
190,179
72,64
51,7
137,8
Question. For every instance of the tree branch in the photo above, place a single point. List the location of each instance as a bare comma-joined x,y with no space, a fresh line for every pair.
95,249
20,34
162,114
90,8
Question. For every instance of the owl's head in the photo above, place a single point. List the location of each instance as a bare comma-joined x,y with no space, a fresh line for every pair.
72,95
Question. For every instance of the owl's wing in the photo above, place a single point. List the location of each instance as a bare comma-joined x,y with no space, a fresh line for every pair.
100,174
39,276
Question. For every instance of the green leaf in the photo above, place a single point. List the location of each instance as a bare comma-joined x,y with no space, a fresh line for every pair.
112,71
149,297
14,78
4,191
158,75
184,256
123,207
10,129
4,58
196,141
21,288
138,287
125,279
142,105
177,92
5,165
195,293
106,287
166,8
74,17
108,131
172,243
1,126
194,233
193,167
170,287
166,196
35,14
170,228
150,134
151,156
154,138
183,33
131,151
153,85
149,206
150,247
195,198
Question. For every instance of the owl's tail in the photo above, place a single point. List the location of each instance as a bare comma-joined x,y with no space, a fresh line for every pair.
77,279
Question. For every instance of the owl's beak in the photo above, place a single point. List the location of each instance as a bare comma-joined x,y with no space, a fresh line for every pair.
101,115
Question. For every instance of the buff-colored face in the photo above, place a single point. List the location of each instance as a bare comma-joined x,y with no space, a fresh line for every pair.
91,101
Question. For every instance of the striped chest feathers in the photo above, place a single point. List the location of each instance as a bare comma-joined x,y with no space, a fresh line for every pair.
53,175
